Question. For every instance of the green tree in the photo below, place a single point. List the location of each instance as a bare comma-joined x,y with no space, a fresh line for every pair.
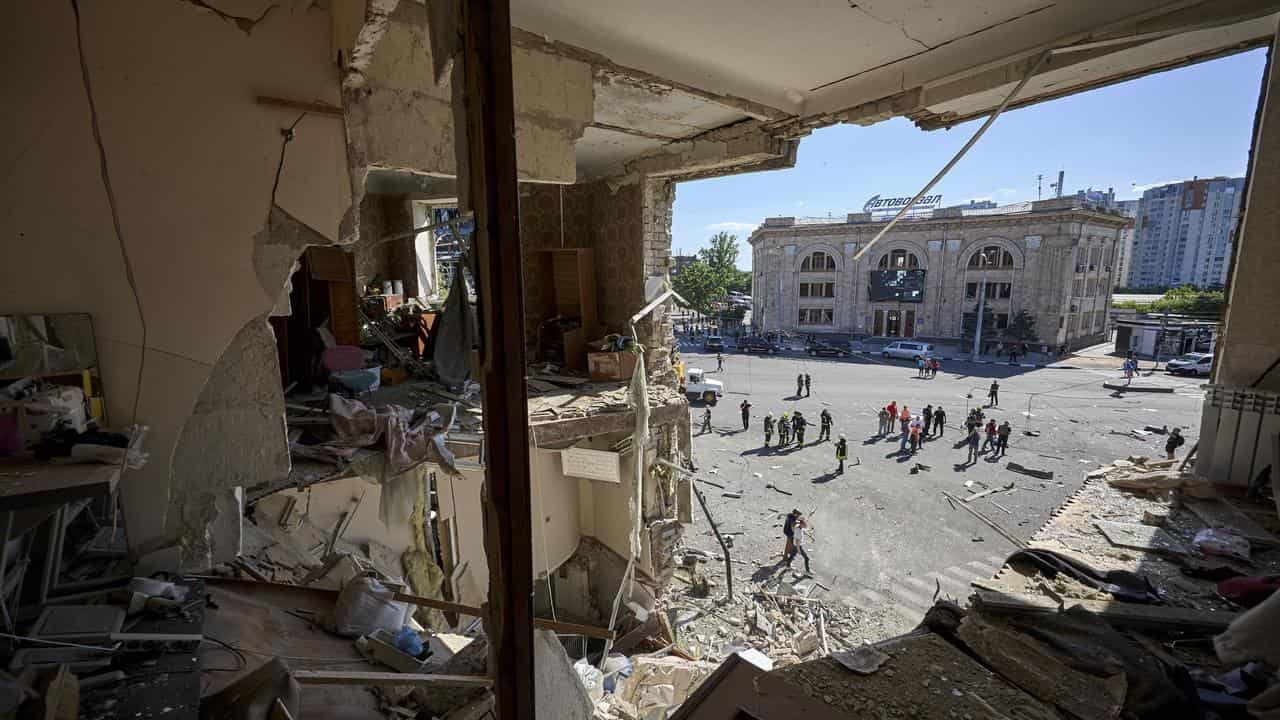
1186,299
721,254
700,285
1022,328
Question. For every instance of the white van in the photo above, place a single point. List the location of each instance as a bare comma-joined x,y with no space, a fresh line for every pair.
907,350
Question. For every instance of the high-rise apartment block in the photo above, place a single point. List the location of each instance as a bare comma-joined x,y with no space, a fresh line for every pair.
1183,233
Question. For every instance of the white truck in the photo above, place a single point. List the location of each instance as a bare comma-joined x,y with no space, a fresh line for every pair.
697,386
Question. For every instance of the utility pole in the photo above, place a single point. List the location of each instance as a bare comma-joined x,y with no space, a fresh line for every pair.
1164,323
1039,184
977,329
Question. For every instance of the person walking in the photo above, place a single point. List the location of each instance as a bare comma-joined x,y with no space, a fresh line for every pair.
939,420
824,422
1175,441
797,542
1013,354
934,364
993,394
706,420
789,532
800,385
719,362
1002,439
991,430
768,428
927,416
745,407
798,424
972,442
807,381
784,429
842,452
920,367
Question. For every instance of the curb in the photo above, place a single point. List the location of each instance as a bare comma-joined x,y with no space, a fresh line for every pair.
1138,388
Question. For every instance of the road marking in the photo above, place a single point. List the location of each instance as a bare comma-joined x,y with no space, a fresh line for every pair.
947,581
984,568
910,598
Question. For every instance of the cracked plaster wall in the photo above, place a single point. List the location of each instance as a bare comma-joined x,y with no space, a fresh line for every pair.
192,159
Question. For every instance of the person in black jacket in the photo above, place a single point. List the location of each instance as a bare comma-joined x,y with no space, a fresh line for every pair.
1175,441
939,419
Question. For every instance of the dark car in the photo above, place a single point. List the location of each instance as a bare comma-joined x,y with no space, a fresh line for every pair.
714,343
820,348
756,345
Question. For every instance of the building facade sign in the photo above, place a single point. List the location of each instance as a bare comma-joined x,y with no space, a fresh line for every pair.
879,204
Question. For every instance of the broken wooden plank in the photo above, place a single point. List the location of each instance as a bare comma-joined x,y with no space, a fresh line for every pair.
1032,667
387,679
1033,472
1120,614
985,493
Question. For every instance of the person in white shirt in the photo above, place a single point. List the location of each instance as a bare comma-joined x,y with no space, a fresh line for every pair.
797,542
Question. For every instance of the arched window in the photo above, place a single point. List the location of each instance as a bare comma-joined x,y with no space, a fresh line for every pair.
818,262
899,260
991,256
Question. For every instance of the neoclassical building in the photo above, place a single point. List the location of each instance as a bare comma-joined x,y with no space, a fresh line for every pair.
1053,258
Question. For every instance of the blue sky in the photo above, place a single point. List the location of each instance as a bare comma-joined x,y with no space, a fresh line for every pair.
1161,128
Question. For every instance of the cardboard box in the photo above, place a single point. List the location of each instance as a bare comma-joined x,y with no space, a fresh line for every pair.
611,365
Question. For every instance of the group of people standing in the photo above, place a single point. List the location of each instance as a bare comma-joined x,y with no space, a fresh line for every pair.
927,367
997,436
914,428
790,426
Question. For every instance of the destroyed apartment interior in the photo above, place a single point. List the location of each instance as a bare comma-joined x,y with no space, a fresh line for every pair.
342,381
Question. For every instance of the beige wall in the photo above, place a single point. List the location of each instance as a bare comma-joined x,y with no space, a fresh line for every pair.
556,514
192,159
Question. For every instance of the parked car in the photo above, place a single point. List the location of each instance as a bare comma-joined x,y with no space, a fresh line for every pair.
816,348
907,350
756,345
713,343
697,386
1191,364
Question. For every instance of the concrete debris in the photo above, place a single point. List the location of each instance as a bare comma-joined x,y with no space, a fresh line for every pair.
863,660
658,684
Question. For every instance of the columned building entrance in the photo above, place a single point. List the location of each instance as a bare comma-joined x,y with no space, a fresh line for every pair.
894,323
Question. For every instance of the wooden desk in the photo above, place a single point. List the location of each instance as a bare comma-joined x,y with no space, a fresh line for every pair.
33,492
30,484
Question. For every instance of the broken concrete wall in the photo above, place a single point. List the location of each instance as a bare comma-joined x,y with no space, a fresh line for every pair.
192,161
399,118
240,407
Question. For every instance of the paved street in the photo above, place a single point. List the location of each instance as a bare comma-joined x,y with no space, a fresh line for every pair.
884,537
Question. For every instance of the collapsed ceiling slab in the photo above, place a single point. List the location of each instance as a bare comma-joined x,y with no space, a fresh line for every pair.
677,69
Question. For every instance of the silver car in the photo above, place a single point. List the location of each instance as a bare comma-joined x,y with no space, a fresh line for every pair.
907,350
1191,364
